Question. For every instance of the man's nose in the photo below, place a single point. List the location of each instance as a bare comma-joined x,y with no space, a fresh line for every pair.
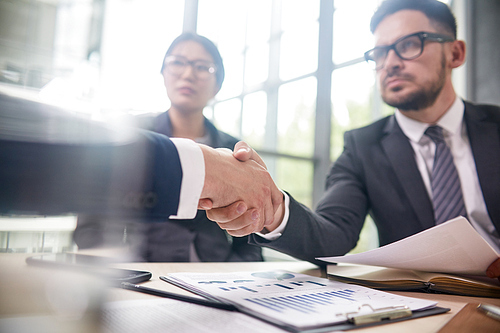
392,61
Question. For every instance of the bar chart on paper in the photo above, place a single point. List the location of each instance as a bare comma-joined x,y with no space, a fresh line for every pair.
298,299
304,303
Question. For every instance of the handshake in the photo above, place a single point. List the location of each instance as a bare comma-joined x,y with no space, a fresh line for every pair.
239,194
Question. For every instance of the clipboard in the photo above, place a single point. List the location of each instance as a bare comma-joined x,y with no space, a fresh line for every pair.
378,317
364,315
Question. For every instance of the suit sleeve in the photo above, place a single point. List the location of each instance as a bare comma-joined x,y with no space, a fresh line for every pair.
140,179
242,250
53,162
334,227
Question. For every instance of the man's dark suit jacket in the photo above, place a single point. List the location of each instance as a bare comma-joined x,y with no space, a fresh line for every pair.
170,240
54,162
377,174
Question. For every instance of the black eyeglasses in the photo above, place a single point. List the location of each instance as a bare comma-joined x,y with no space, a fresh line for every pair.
407,47
177,65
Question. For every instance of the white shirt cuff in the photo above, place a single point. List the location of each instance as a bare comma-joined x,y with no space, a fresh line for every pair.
193,177
276,233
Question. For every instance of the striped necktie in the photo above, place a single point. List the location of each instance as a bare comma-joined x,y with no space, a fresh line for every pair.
446,190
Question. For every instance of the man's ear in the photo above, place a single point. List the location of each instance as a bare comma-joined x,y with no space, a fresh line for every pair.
458,53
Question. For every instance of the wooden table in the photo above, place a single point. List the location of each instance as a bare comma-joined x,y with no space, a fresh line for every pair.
25,290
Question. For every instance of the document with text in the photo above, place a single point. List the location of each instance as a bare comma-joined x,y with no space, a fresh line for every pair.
451,247
295,301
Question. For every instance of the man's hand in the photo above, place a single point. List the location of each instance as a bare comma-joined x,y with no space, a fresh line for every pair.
493,270
239,219
238,189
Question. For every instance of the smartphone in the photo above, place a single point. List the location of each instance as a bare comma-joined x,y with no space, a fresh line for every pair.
93,265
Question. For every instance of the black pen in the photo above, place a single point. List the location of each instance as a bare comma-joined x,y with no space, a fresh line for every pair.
166,294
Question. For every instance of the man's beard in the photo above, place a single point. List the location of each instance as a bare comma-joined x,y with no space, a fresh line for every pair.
422,98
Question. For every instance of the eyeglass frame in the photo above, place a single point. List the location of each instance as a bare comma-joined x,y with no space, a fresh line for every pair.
212,68
422,35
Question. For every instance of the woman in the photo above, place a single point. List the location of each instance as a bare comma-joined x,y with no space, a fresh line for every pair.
193,73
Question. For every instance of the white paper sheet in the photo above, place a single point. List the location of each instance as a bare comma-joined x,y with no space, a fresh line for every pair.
450,247
295,299
166,315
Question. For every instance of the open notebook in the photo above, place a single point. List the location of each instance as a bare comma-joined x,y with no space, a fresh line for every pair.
408,280
451,257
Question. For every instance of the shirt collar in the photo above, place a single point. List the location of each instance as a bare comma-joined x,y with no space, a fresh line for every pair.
451,122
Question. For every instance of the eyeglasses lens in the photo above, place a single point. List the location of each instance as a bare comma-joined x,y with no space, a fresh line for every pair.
409,48
177,66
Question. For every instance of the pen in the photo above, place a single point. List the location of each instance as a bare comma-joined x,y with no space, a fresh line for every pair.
166,294
490,310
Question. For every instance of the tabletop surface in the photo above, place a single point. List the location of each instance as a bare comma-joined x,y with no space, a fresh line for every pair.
24,289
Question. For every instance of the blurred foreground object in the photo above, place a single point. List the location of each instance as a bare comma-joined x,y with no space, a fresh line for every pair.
54,161
36,299
37,234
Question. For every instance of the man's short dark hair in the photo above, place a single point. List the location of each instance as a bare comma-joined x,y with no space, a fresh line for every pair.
437,11
209,47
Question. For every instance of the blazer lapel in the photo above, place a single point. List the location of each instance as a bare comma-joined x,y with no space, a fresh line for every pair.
161,124
485,144
400,154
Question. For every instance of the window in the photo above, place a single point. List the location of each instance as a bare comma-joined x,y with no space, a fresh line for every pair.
295,77
271,56
270,60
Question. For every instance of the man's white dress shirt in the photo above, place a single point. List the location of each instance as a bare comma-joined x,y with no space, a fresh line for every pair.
455,134
193,177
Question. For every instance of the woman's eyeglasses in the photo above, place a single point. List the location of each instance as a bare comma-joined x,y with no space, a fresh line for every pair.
177,65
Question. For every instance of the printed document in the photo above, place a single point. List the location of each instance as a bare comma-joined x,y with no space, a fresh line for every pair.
292,299
451,247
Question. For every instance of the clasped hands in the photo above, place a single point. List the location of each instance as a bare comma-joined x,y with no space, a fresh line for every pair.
239,193
241,197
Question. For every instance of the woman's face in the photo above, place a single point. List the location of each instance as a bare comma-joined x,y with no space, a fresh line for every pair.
188,89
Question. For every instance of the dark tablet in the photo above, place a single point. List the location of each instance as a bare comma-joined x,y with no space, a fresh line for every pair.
93,265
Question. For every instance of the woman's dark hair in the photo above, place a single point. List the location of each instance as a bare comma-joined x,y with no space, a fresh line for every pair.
436,11
208,45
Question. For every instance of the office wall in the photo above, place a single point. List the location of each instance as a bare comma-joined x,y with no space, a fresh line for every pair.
483,68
